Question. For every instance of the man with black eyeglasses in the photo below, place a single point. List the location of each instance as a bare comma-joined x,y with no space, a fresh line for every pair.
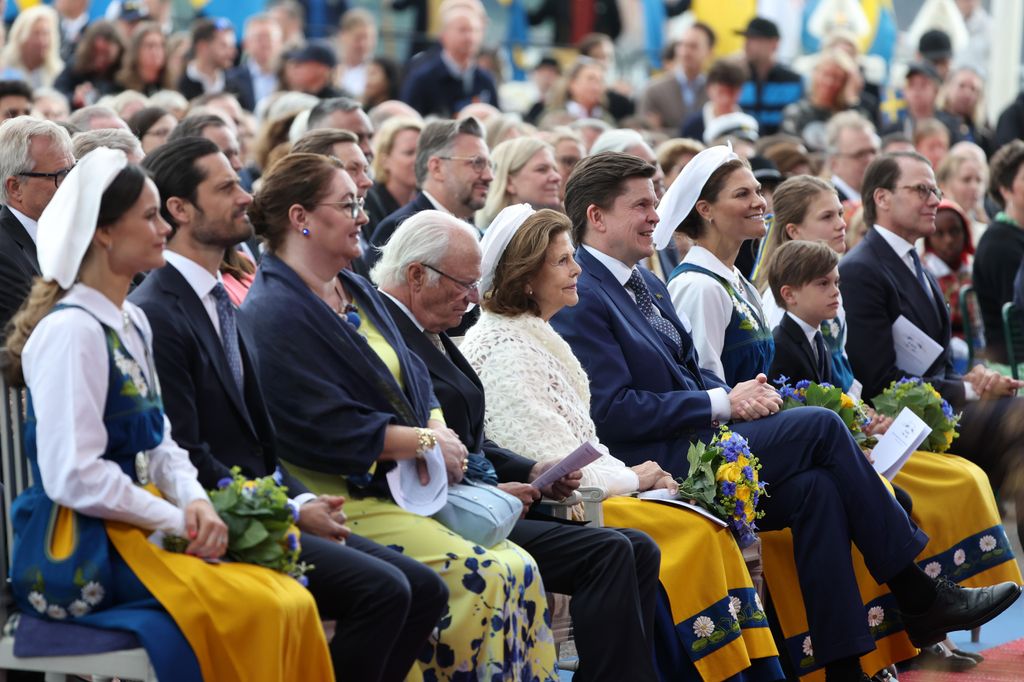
882,280
851,143
35,156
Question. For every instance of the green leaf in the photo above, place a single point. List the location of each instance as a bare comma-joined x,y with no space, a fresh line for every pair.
254,534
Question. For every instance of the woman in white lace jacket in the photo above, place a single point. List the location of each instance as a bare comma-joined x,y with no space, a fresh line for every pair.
538,405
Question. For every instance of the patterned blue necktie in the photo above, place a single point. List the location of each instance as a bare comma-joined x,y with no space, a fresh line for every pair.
919,271
638,286
229,333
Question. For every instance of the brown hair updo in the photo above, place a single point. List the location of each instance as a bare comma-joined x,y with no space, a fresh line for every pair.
302,179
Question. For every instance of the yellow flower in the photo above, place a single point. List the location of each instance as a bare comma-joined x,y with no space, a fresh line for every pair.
846,401
935,393
730,471
742,493
949,435
249,485
750,514
742,460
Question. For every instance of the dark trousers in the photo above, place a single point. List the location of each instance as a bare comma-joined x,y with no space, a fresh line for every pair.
385,605
612,576
822,487
992,436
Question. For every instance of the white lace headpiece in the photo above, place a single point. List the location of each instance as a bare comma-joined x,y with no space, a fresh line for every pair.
496,240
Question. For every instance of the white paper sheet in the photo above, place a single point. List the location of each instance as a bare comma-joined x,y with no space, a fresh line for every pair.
915,350
574,461
665,497
904,436
404,483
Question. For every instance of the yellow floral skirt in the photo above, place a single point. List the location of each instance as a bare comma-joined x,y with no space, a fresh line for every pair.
953,504
496,626
718,615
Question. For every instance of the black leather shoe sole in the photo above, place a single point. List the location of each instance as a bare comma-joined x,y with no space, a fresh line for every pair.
923,639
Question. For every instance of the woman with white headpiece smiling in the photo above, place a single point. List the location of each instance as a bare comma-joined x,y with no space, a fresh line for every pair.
538,405
717,202
107,473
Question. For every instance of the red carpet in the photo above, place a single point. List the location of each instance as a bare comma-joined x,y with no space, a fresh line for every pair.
1002,664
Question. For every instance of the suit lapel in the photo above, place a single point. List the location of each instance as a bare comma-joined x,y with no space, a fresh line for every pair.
195,315
628,309
920,309
796,334
20,235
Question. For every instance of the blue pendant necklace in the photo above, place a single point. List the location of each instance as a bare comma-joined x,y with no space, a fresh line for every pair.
348,311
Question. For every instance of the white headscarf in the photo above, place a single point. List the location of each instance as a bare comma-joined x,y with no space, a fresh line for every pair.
68,222
496,240
684,191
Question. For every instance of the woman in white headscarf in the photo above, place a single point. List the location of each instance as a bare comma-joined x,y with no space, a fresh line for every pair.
538,405
109,480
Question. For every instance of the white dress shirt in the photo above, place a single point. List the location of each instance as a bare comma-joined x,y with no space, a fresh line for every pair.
404,309
31,226
66,363
808,331
353,79
264,83
903,248
844,187
209,86
720,408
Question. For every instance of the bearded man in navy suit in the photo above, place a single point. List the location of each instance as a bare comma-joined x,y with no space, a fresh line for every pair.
650,399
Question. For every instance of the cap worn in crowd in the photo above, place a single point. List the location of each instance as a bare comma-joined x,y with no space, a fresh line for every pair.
759,27
923,69
736,123
935,45
315,51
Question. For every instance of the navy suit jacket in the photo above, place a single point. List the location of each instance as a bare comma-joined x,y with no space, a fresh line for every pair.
794,357
19,265
218,425
238,81
431,89
387,226
646,401
458,389
877,288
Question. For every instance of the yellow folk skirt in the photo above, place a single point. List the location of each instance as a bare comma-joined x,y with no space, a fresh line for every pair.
719,617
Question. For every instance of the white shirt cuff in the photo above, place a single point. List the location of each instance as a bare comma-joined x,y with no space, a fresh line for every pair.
721,411
969,392
303,499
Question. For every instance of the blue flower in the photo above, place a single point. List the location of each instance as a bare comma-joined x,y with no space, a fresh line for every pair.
908,380
728,488
224,482
783,380
739,511
278,479
294,509
748,473
303,580
293,542
947,410
787,392
802,384
825,384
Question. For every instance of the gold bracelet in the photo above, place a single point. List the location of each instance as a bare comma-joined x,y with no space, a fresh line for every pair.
426,442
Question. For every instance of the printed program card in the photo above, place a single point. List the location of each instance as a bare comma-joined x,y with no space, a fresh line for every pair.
915,350
903,437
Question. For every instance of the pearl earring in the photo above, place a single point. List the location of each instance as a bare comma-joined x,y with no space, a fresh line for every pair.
529,291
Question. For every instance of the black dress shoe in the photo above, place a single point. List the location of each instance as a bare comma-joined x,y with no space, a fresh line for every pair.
958,608
977,658
936,658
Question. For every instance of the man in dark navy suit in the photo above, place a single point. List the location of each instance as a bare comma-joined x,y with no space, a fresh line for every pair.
882,279
443,82
385,604
650,400
607,571
26,190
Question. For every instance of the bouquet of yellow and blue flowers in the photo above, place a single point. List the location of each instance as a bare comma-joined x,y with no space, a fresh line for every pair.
810,394
723,479
261,524
927,403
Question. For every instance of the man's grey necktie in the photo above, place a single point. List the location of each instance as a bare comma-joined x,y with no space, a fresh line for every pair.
229,333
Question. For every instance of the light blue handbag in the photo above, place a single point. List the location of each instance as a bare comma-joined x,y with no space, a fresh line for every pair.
483,514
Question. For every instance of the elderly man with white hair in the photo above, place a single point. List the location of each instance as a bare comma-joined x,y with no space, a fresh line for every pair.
35,157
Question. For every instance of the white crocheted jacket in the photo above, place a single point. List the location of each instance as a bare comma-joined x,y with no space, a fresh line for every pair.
538,395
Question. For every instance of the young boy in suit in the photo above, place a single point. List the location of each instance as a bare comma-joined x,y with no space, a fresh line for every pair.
804,279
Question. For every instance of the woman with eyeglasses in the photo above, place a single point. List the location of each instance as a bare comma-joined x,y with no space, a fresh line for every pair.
349,401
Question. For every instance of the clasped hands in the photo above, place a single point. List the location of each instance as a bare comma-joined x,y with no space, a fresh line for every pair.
989,384
754,399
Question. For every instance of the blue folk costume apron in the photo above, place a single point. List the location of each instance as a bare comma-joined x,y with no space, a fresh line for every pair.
63,565
748,346
184,611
